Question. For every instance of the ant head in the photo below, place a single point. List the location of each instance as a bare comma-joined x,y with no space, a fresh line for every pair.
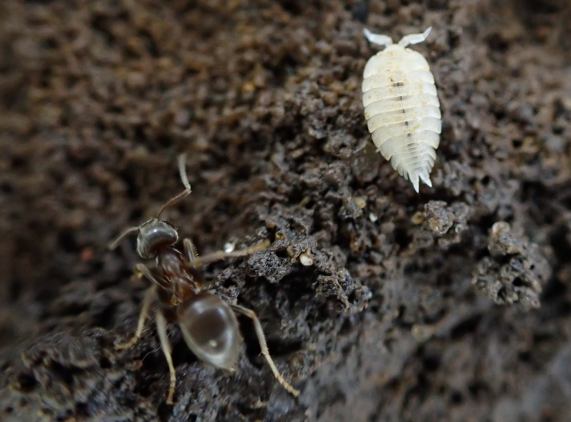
156,233
153,235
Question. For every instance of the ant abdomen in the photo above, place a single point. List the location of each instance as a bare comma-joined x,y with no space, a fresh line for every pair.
210,330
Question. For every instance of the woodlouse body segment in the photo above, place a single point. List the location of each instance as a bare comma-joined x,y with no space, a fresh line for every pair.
401,106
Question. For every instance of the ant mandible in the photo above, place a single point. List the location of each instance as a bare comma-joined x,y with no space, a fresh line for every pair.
208,324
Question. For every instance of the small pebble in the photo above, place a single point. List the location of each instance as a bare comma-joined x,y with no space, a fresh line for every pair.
306,259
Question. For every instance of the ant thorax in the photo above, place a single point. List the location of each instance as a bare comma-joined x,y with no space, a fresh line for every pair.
171,263
176,276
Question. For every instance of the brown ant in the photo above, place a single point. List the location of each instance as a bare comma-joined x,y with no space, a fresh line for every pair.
208,324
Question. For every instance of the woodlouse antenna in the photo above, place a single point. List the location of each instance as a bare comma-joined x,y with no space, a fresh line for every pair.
184,179
415,38
382,40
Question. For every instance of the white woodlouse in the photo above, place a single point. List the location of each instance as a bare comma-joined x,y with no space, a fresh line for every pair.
401,106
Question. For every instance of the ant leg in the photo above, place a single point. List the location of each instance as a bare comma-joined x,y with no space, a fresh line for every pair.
147,300
166,348
190,251
264,348
220,255
382,40
415,38
141,270
184,179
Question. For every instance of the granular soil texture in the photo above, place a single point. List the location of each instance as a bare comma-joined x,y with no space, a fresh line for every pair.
453,304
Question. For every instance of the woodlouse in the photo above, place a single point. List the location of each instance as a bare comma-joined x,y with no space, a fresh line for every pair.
401,106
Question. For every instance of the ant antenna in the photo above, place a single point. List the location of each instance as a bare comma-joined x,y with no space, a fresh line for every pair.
184,179
187,190
119,238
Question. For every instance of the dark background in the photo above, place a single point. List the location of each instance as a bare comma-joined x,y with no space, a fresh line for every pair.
453,304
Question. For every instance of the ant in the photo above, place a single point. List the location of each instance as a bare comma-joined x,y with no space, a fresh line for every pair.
208,324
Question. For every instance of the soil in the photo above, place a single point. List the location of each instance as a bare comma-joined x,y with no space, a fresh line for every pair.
452,304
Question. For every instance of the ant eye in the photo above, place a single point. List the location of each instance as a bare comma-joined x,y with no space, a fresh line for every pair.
154,235
210,330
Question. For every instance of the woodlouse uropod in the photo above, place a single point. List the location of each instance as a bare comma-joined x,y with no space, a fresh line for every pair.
401,106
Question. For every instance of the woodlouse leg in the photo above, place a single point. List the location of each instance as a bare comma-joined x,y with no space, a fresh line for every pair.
220,255
415,38
184,179
264,348
147,300
382,40
166,348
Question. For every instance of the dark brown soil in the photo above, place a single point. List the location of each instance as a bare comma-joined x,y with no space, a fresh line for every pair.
454,304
